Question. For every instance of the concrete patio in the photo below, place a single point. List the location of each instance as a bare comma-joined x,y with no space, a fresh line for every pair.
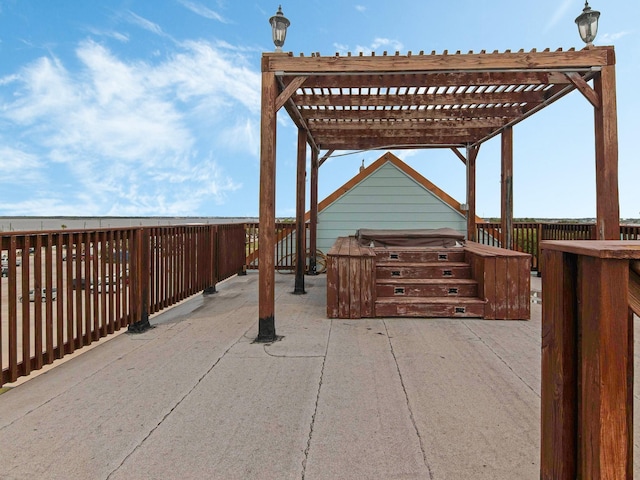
333,399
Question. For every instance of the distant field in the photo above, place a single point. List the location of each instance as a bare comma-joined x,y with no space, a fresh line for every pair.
15,224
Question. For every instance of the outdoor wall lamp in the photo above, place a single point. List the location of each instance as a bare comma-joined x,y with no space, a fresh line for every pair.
587,23
279,24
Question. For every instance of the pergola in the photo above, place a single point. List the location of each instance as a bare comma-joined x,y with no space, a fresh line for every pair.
459,101
455,101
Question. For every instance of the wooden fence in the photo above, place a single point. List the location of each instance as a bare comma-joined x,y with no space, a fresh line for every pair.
527,235
62,290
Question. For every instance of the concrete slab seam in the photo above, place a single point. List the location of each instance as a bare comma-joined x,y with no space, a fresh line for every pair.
177,404
315,408
406,398
501,359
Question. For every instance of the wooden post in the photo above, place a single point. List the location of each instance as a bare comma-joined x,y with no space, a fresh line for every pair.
267,232
313,220
606,138
140,277
587,360
472,154
507,188
301,235
559,368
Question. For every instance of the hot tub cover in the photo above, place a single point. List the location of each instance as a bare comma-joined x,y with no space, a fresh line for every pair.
439,237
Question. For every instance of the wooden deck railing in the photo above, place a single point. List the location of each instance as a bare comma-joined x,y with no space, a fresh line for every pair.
527,235
587,359
66,289
285,252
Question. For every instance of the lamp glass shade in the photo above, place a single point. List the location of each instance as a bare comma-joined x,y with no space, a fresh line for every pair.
279,24
587,23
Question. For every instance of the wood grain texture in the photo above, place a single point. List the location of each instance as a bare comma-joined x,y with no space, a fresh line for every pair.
603,418
559,394
606,136
266,260
587,363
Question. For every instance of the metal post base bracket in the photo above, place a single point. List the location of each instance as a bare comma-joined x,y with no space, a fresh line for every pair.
140,326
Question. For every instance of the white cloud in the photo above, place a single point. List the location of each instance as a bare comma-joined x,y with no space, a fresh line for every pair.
19,167
610,38
361,8
386,42
132,137
378,45
145,24
203,11
121,37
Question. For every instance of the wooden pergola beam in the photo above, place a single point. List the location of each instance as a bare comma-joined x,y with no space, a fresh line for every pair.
267,218
584,88
471,156
462,158
606,144
414,114
529,61
431,126
426,80
506,207
288,91
313,220
317,100
301,237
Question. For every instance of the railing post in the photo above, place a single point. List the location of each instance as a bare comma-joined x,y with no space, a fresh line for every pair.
587,360
213,261
301,237
140,280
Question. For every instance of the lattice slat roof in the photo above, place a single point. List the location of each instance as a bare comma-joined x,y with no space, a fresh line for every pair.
425,101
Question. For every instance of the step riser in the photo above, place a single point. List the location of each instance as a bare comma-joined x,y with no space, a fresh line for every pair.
419,257
384,272
427,290
427,310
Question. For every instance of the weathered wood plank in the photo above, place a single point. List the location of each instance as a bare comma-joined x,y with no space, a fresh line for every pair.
506,205
606,135
598,56
512,288
524,288
344,300
368,291
355,287
501,288
266,254
332,285
559,400
603,418
622,249
301,236
472,154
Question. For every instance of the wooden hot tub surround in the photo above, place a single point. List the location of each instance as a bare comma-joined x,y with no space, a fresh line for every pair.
471,280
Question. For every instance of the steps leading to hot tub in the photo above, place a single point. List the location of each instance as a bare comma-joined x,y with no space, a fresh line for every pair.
425,282
473,280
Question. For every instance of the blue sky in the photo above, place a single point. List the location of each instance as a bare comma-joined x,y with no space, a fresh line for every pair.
145,108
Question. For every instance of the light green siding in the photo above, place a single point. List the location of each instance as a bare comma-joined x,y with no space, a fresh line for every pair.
386,199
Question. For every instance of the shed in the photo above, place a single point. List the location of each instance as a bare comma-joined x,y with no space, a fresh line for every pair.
388,194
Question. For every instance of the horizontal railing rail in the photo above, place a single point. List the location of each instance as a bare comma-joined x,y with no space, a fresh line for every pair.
63,290
527,235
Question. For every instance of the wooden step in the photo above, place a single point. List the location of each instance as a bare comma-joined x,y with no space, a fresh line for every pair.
385,270
419,255
426,287
432,307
